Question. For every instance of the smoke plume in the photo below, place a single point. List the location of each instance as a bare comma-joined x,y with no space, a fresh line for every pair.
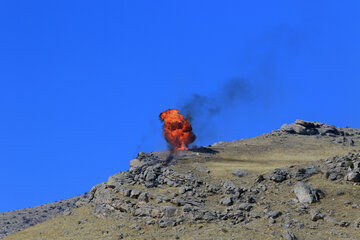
231,93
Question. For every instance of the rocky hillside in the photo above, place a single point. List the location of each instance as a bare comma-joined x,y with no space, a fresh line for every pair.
298,182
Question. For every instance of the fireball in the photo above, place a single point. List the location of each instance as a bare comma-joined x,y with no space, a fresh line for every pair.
177,130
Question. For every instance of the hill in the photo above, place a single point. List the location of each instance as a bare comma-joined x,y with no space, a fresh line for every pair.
298,182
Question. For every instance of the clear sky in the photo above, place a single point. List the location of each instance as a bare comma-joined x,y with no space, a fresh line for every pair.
82,83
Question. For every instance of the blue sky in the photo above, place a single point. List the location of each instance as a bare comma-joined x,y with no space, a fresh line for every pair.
82,82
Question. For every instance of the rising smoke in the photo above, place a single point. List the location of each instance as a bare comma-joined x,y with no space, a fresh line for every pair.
232,92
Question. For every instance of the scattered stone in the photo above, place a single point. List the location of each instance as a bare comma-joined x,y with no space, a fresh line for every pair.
228,201
259,179
245,206
316,214
230,186
167,222
274,214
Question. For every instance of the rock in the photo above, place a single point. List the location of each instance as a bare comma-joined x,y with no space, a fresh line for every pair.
274,214
143,197
340,192
287,128
178,201
279,175
316,214
150,222
305,123
187,208
299,129
135,163
156,213
314,128
182,190
288,235
167,222
101,211
245,206
150,176
168,211
250,199
212,188
328,130
135,193
259,179
356,166
333,176
357,224
304,173
230,186
239,173
353,176
209,216
226,201
142,212
306,194
123,191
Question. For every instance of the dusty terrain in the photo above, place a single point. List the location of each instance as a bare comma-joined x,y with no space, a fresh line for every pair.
299,182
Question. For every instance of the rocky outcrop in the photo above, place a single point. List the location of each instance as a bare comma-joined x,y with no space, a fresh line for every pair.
302,127
121,195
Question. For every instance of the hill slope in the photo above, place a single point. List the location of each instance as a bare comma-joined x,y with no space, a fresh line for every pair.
301,181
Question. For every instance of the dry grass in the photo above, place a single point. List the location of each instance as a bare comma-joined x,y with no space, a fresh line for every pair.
265,153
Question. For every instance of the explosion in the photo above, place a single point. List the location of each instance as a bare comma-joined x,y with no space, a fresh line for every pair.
177,130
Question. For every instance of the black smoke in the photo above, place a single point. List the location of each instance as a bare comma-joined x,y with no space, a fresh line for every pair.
233,92
200,109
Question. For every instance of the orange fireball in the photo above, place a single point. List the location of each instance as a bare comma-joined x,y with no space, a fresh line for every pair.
177,130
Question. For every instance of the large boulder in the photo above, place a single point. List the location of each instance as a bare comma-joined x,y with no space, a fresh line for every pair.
306,194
